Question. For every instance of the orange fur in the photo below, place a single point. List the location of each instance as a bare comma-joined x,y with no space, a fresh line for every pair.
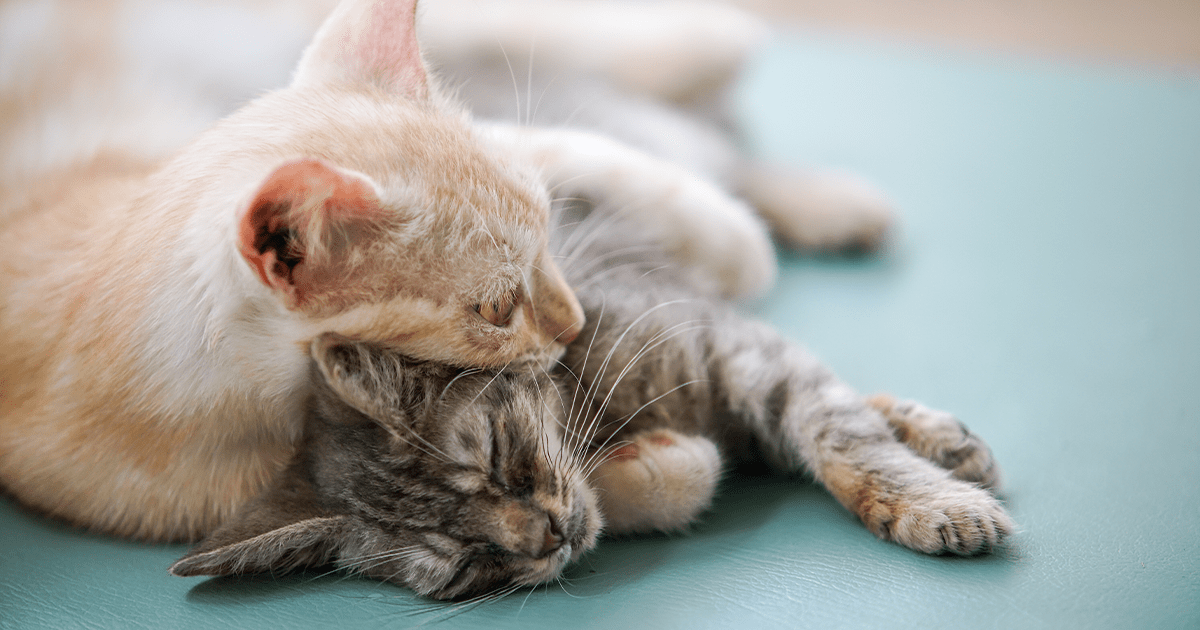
153,357
151,376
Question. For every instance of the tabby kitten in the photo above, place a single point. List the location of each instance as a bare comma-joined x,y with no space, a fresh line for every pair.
463,482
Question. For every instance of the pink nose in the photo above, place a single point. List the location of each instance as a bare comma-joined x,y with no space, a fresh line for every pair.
559,317
552,538
570,332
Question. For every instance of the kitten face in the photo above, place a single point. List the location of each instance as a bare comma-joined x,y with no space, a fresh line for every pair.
395,224
454,483
373,208
474,486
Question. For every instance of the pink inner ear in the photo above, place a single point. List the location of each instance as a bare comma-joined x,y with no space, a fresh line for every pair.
306,181
368,41
388,47
289,200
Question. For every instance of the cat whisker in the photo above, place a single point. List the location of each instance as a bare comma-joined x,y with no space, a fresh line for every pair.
556,458
592,388
526,600
587,355
528,118
541,442
541,96
435,453
564,182
482,225
599,456
568,412
472,603
445,389
661,338
631,416
489,383
656,270
513,74
367,562
541,398
603,275
563,582
583,237
570,119
410,550
602,262
645,348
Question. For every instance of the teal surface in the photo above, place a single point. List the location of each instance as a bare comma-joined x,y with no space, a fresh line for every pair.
1044,285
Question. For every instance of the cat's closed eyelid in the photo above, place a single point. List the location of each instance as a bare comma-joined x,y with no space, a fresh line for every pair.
499,312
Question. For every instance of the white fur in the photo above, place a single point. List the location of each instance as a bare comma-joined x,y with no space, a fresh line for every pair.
202,377
694,219
670,482
694,46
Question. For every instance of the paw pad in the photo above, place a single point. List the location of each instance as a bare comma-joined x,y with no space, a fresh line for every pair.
661,439
624,453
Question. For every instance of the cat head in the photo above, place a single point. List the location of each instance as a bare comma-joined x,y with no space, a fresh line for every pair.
453,482
365,203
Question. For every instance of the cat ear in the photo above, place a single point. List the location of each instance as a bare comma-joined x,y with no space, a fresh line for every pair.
279,531
367,42
375,382
299,219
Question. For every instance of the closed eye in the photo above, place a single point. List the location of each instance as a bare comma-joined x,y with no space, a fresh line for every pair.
499,312
522,486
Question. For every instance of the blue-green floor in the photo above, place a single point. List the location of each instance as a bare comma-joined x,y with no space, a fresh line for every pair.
1044,285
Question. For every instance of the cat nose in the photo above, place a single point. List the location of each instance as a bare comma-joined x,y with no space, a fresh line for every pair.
552,537
557,311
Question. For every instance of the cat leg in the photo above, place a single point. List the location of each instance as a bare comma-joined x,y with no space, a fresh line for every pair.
940,438
817,210
661,480
695,221
805,419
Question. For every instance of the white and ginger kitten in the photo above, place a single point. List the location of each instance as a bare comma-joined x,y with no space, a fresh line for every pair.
156,311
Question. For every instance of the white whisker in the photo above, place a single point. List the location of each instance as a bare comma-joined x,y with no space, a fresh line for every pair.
599,378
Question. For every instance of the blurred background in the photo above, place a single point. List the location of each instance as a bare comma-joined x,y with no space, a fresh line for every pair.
1127,32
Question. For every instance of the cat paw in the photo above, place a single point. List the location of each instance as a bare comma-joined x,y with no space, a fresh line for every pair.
721,236
822,211
660,480
941,438
952,517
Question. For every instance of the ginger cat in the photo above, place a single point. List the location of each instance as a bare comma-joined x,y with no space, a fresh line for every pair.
156,314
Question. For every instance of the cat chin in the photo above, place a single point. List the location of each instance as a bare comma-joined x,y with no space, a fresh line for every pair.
553,565
546,569
544,358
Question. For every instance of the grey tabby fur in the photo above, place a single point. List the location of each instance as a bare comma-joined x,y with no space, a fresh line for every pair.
461,482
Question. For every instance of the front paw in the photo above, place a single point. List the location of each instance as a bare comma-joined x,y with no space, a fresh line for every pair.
941,438
659,480
821,211
951,517
720,236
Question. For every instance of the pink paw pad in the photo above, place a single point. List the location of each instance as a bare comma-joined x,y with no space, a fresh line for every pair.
627,452
661,439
